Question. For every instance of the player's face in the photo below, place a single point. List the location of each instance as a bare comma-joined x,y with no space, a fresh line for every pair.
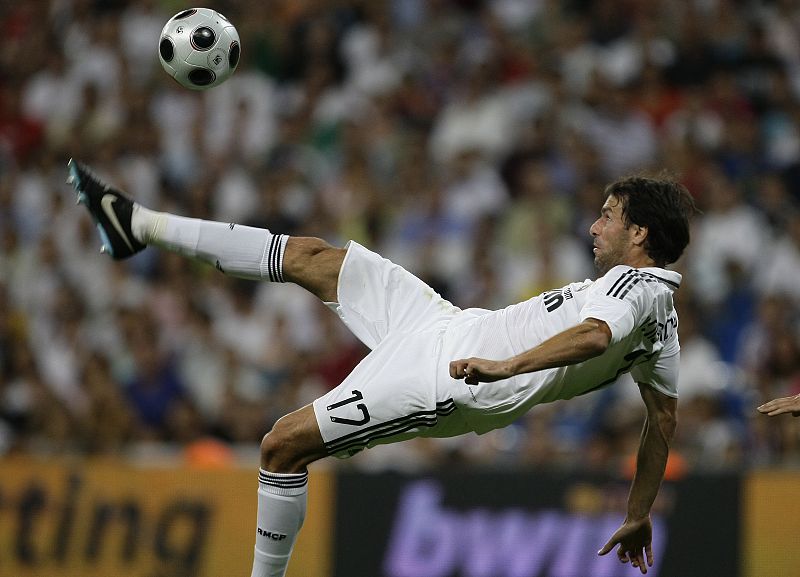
612,239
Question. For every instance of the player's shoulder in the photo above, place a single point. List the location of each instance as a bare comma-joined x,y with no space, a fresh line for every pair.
668,279
619,270
649,275
616,277
625,282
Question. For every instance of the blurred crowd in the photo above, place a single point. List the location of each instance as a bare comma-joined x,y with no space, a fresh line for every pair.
468,140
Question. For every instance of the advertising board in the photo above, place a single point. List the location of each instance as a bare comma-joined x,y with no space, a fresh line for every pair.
497,524
110,519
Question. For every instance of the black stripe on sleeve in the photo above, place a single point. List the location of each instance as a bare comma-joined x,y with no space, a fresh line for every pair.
621,278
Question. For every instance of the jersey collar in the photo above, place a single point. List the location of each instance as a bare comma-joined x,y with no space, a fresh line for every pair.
668,277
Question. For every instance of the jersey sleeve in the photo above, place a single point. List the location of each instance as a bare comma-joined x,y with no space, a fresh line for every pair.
616,299
662,372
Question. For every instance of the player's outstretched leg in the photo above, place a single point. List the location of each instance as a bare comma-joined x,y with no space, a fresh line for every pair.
126,228
295,441
286,451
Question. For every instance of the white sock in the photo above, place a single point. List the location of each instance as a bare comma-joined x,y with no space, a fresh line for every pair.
281,510
242,251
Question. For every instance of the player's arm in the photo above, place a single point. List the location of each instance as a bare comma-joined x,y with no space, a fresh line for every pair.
782,405
574,345
635,534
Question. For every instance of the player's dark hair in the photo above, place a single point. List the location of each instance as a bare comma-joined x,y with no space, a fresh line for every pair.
662,205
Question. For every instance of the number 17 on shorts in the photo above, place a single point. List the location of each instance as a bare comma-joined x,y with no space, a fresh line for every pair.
354,398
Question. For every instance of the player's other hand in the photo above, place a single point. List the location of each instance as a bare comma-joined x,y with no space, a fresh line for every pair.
474,370
782,405
634,540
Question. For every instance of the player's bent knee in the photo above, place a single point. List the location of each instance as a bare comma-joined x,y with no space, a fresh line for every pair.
292,444
278,454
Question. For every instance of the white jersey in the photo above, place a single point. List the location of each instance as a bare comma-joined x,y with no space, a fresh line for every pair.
635,303
403,389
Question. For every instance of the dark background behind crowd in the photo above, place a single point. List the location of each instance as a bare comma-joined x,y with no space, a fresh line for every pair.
468,140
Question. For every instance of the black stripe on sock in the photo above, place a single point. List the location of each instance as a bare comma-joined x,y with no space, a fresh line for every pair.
283,481
270,258
274,254
278,257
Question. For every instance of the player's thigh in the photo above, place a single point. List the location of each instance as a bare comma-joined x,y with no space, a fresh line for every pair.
377,297
389,397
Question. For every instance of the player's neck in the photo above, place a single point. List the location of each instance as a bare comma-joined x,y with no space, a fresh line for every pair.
640,261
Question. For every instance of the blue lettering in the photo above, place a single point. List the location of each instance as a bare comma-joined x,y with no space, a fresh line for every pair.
423,540
429,540
530,552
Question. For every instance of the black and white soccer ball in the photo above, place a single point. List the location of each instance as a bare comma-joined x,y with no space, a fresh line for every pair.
199,48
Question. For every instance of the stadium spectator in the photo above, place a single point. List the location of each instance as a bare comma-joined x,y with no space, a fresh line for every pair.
332,97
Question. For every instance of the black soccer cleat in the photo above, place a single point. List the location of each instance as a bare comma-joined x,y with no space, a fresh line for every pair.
111,211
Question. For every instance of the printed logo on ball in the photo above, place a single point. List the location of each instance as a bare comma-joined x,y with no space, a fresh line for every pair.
216,59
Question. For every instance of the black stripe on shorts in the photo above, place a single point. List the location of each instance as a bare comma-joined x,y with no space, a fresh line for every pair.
361,438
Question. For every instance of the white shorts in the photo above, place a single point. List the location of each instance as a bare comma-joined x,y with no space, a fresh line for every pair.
392,394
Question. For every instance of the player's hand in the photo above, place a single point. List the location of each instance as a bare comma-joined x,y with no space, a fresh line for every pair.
474,370
633,538
782,405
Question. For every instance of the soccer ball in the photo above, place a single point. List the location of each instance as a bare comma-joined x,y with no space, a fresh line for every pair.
199,48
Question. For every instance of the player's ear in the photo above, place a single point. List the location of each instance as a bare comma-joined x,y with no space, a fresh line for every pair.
639,234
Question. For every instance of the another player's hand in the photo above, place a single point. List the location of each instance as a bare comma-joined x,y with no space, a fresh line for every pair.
474,370
634,539
782,405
